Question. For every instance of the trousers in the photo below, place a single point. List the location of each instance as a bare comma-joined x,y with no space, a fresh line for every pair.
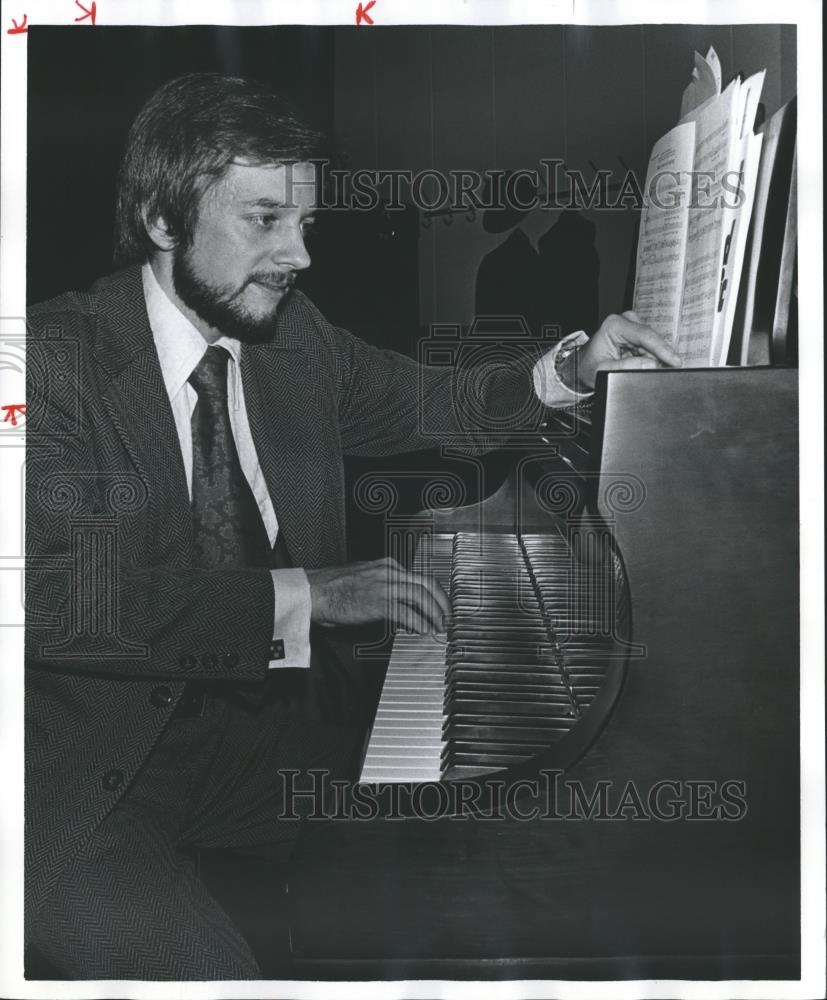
130,904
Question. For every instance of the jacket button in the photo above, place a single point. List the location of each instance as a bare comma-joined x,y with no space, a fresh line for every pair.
230,659
209,661
161,696
188,662
112,780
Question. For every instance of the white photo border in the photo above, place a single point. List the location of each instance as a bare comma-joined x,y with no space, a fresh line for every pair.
807,15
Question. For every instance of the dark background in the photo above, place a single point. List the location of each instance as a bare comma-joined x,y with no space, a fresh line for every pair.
478,98
85,88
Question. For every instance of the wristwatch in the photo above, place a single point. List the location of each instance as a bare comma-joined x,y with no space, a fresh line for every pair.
566,366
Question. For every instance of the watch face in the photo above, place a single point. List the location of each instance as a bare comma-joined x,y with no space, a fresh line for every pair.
565,367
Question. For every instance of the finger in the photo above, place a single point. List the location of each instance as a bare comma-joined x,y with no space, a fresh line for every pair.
437,592
422,601
409,619
638,363
628,332
632,315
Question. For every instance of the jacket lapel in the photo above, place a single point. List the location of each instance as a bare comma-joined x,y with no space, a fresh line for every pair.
134,394
273,378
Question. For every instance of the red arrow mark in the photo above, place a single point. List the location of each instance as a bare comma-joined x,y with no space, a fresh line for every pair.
18,29
12,409
91,13
361,12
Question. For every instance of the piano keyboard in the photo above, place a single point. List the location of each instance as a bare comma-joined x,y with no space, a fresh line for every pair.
406,740
525,655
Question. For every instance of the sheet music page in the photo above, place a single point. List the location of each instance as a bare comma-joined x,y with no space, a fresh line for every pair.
705,82
770,137
661,248
714,130
748,103
733,259
714,64
737,210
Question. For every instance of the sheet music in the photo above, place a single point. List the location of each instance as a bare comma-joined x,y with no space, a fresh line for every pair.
769,145
744,157
705,82
662,244
714,64
713,142
733,265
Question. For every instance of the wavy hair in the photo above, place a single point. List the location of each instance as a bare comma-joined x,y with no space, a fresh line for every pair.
184,139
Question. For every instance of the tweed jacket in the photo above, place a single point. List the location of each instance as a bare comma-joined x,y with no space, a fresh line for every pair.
114,606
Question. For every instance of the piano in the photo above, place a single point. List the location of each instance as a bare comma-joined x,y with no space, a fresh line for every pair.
595,773
654,830
537,624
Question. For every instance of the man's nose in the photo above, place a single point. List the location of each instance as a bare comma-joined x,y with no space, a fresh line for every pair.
292,251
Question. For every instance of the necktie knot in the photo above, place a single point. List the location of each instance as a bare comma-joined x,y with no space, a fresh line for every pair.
209,377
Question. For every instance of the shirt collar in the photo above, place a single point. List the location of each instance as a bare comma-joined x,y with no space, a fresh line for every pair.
179,344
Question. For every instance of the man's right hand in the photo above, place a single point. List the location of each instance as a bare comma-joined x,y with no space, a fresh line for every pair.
370,591
622,343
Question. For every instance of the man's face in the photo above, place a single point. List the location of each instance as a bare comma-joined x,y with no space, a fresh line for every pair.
247,246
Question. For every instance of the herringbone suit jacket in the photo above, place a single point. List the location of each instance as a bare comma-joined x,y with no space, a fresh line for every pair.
114,605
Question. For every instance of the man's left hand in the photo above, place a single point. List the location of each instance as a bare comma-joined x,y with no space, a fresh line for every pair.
623,343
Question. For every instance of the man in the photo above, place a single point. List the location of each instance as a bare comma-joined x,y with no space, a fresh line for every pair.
186,532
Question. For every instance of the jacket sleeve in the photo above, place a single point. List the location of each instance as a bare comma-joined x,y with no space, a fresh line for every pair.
389,403
90,610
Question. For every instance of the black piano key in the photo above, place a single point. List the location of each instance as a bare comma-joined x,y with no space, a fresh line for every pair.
477,658
529,656
492,747
507,693
451,751
547,664
501,693
536,676
472,708
521,638
546,734
488,760
555,690
493,629
466,771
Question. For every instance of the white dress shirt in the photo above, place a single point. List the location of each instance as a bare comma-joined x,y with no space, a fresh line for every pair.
180,347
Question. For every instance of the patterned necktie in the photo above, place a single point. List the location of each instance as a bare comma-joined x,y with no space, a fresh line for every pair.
228,527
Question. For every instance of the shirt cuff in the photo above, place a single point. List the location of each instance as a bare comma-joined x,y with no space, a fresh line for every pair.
550,389
291,620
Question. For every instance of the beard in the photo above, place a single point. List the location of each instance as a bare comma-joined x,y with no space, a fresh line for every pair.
219,306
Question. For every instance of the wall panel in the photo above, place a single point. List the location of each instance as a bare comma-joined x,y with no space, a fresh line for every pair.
605,126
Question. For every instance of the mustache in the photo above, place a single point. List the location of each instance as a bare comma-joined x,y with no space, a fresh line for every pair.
276,279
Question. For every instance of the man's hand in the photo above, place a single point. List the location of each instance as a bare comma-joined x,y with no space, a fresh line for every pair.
370,591
622,343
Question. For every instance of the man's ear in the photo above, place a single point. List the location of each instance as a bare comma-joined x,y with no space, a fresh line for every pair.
158,231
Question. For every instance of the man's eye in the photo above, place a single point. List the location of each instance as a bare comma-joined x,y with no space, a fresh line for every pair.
263,221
